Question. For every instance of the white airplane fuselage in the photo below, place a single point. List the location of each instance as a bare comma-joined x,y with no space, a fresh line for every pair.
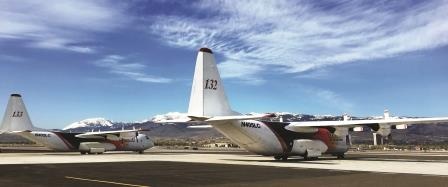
271,139
209,104
17,121
62,141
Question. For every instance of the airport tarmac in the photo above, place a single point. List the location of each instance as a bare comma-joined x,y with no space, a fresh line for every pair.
209,168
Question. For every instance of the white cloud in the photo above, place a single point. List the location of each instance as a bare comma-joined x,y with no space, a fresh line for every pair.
317,74
117,64
9,58
233,69
58,43
331,99
64,25
294,37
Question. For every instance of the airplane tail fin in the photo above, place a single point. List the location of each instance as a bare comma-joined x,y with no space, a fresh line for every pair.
208,98
16,117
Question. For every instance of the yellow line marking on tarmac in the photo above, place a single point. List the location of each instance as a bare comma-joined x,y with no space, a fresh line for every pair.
108,182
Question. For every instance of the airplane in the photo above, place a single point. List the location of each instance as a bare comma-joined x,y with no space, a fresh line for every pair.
310,139
17,121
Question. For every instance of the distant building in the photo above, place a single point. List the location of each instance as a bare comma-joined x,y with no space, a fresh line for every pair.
417,148
220,145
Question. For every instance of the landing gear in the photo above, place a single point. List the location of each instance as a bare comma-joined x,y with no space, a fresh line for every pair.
305,157
83,153
282,157
310,158
140,152
340,156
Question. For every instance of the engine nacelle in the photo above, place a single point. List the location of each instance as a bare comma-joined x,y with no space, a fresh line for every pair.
341,131
302,129
313,148
384,130
95,147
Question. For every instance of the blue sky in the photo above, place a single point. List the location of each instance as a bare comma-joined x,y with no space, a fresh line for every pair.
130,60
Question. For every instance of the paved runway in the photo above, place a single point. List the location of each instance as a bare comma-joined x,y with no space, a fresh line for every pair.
183,168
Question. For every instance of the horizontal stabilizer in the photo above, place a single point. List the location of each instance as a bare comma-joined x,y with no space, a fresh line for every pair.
239,117
198,118
200,126
185,120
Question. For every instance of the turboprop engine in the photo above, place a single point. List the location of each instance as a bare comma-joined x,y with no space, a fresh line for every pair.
384,129
310,148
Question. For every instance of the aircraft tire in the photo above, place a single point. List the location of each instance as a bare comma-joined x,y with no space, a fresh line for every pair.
305,156
278,157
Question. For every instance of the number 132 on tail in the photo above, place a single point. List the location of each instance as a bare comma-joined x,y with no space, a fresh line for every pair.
211,84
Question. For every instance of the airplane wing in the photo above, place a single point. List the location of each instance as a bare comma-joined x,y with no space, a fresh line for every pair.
202,119
126,134
187,120
354,123
200,126
240,117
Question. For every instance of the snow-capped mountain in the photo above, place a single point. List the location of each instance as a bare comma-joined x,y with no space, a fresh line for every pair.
416,134
91,122
170,116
